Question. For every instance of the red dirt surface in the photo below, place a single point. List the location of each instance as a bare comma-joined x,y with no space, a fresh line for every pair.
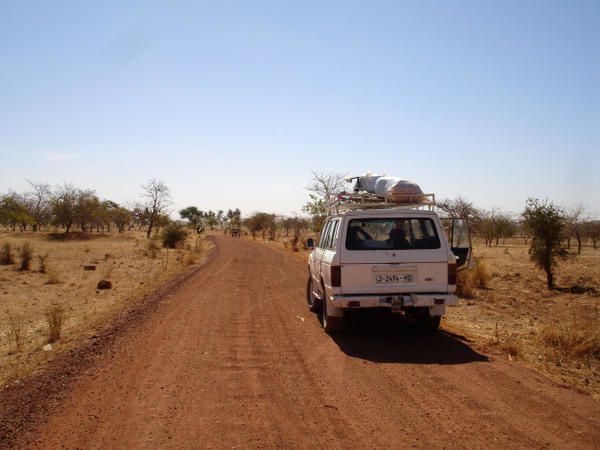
225,360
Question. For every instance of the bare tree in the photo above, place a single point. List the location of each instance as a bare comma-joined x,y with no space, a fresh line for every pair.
39,200
326,184
459,208
157,202
323,187
575,220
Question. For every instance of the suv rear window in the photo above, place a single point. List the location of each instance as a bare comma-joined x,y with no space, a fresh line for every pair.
392,234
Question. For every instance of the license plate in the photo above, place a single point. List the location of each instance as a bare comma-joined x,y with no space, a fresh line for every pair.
394,278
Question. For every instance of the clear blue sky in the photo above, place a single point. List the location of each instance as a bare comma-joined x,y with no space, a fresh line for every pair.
233,103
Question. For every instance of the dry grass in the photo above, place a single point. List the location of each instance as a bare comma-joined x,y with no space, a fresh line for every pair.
509,308
43,261
465,284
572,341
6,255
30,294
15,333
25,255
55,316
53,276
481,273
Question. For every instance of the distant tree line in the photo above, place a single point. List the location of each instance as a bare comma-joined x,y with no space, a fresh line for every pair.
68,208
493,225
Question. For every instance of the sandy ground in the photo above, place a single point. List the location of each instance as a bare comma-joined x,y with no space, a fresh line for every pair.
232,358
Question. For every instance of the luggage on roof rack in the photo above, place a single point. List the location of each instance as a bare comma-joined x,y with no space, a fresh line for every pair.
377,191
362,200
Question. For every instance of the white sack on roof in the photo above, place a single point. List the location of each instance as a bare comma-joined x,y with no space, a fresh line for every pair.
367,182
393,189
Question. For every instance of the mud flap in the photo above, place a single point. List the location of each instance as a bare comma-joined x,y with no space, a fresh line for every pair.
333,311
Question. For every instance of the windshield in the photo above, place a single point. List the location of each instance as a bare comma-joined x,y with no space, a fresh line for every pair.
392,234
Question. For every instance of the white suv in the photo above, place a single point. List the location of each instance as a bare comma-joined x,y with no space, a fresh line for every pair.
386,258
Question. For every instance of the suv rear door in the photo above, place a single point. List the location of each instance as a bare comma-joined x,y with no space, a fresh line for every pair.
393,254
328,255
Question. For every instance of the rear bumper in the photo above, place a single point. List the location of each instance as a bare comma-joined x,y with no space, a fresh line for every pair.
393,301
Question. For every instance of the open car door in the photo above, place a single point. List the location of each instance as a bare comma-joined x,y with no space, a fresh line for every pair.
460,241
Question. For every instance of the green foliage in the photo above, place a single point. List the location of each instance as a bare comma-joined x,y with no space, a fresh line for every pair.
547,224
121,217
317,210
211,219
261,222
194,217
173,235
72,205
14,211
234,217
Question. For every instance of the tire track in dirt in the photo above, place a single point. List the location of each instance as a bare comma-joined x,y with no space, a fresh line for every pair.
225,362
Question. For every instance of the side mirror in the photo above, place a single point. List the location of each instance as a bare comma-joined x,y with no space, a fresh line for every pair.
310,243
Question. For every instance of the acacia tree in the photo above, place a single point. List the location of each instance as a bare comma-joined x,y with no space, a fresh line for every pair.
64,203
261,222
121,217
547,224
591,230
193,215
157,201
211,219
460,208
14,211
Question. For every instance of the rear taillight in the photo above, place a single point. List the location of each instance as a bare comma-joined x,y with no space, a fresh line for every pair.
451,273
336,276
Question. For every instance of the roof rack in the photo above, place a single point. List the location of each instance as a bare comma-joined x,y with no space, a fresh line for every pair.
363,200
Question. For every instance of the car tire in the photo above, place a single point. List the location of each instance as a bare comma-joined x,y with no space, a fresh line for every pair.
330,324
314,304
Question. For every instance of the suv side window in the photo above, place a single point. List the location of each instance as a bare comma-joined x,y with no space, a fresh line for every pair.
333,232
324,233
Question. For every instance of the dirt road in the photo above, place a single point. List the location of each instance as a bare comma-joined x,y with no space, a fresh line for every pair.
226,361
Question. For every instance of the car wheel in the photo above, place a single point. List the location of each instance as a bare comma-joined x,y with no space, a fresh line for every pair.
314,304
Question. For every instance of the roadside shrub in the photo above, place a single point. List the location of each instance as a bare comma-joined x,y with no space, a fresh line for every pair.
26,254
173,236
480,273
43,265
55,316
15,333
6,256
465,284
